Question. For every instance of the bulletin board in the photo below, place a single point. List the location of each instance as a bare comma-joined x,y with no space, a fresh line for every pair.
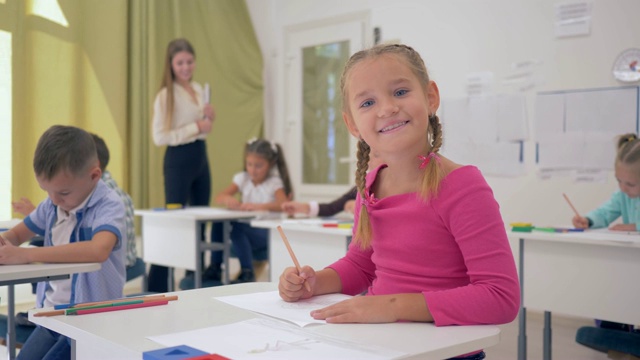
578,129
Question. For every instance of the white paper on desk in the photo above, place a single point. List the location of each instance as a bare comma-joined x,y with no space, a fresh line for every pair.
270,303
267,338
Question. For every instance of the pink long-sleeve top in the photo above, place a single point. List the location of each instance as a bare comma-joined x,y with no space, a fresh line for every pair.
453,249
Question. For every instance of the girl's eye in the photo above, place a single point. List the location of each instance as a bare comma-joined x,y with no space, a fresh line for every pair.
401,92
367,103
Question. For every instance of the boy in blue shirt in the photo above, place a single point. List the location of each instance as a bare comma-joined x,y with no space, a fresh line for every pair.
82,220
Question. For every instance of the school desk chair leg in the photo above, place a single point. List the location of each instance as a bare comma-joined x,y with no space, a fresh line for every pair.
522,321
547,336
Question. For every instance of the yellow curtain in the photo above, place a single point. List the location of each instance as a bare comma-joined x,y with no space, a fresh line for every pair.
69,67
97,65
227,57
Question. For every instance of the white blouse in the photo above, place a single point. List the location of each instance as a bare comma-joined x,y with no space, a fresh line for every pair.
184,129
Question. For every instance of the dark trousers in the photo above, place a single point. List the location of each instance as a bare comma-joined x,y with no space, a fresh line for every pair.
187,181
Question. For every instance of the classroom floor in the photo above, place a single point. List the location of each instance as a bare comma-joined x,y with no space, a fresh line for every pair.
564,329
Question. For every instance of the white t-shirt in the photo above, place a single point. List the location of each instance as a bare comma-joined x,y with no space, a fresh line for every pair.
186,113
60,290
265,192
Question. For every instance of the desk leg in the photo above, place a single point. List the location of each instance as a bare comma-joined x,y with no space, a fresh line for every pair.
546,346
11,323
170,278
226,230
522,336
198,271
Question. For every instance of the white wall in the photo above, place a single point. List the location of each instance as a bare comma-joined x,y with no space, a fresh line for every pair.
456,37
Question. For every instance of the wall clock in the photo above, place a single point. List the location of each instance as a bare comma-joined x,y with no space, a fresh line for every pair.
626,67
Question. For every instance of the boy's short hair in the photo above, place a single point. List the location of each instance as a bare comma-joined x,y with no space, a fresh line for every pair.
64,148
103,151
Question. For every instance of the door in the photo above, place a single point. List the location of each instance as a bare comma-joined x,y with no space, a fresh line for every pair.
319,148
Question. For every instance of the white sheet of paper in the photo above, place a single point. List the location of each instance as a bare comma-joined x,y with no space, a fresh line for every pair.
266,339
270,303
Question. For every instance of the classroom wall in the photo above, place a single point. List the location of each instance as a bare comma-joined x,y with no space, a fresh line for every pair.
458,37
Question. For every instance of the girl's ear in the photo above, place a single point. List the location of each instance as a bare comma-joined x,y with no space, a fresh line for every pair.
351,125
433,97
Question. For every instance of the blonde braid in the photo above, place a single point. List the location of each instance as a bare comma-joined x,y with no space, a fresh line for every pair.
433,173
363,231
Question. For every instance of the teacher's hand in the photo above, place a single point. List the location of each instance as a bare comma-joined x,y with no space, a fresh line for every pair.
209,113
204,126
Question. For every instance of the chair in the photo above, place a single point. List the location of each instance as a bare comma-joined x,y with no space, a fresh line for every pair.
22,332
609,340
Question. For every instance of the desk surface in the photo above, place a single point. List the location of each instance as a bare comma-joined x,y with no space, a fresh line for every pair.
594,237
199,213
26,272
125,332
306,225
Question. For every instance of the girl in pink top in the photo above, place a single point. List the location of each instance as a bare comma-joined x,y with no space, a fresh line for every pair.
429,241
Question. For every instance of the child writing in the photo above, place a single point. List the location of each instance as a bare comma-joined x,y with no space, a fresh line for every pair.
429,241
82,220
345,203
624,202
262,188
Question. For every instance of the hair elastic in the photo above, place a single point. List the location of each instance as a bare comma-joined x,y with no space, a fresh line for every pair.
425,159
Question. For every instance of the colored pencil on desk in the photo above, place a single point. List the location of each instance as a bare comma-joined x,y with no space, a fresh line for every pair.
117,308
570,204
149,297
113,304
293,256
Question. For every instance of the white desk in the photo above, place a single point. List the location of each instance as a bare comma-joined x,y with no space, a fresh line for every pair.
122,334
313,245
173,237
589,274
28,273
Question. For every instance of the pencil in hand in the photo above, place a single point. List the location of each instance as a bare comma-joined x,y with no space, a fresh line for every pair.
293,256
570,204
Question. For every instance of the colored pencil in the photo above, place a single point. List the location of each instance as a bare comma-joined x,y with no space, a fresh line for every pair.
67,306
117,308
112,304
570,204
293,256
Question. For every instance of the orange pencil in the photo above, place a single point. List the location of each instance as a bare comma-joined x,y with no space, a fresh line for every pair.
570,204
293,256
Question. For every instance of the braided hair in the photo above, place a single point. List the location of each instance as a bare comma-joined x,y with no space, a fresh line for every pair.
433,172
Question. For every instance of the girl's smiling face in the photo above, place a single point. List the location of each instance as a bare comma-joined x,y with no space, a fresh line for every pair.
183,64
628,180
388,106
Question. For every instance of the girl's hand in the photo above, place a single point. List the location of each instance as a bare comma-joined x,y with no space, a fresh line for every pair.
11,254
250,207
360,309
204,126
208,112
291,285
232,203
623,227
580,222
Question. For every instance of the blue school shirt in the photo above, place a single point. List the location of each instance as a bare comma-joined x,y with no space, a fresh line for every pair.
619,205
103,212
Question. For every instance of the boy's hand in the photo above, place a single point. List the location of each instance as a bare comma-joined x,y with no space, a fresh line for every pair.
12,255
24,206
291,285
